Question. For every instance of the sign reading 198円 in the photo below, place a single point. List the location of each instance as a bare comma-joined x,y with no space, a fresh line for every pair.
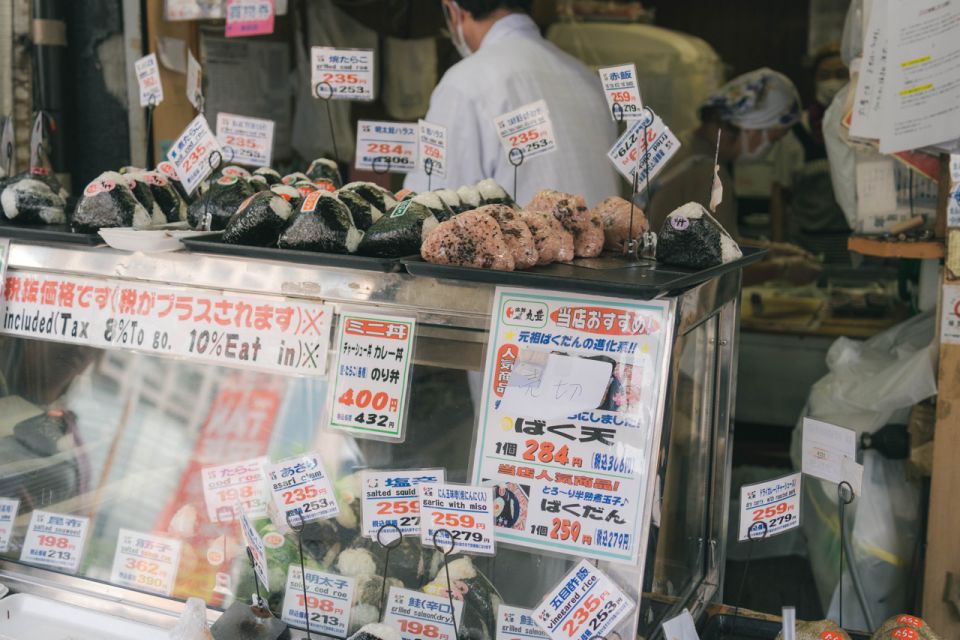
568,420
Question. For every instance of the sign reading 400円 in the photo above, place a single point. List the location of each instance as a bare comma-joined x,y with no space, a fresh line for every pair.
567,424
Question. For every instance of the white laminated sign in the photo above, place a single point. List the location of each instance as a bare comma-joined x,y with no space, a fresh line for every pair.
342,74
55,540
192,153
433,148
328,600
514,623
301,486
229,487
621,90
422,616
8,513
145,562
465,512
148,78
245,140
769,508
586,604
527,131
644,149
390,500
386,146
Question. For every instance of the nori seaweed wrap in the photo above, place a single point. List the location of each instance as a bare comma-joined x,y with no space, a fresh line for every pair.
172,206
364,214
108,202
33,199
220,201
288,193
258,220
272,176
432,201
321,539
451,199
325,169
322,223
166,168
400,233
692,238
493,193
231,170
480,598
374,194
469,198
259,183
141,191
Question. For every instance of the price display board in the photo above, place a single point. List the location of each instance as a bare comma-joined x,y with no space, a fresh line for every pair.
390,498
8,513
148,79
465,511
191,153
145,562
369,395
586,604
386,146
644,149
528,129
514,623
620,88
301,485
239,483
422,616
433,147
55,541
245,140
567,438
342,74
328,600
249,18
769,508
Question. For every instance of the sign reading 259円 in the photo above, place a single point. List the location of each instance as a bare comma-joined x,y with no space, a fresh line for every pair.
567,421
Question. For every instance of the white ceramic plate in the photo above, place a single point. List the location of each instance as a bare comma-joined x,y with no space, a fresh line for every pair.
146,240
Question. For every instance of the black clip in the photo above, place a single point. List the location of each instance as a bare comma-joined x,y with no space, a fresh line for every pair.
296,523
515,157
428,169
390,545
256,581
446,567
387,160
616,109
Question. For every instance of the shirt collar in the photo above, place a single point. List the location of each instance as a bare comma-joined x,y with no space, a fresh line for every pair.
513,25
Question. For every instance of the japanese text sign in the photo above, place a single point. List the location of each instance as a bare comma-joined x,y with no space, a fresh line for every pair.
432,147
257,548
528,129
301,485
249,18
191,153
620,88
238,483
422,616
245,140
824,447
8,513
644,149
584,605
950,314
329,598
145,562
514,623
769,508
386,146
576,483
342,74
148,78
464,511
369,394
194,87
390,498
55,541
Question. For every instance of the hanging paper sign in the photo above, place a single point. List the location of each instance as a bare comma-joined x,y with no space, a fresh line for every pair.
55,541
8,513
227,485
433,148
464,511
681,627
246,140
567,440
342,74
824,446
422,616
528,129
585,604
191,153
194,87
329,599
769,508
145,562
620,88
369,396
148,78
386,146
257,548
39,152
6,148
301,485
644,157
249,18
514,623
390,498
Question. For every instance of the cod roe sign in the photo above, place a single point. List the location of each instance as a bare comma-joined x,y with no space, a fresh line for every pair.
191,153
342,74
386,146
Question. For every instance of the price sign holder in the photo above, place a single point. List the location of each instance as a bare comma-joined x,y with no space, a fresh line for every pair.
631,248
215,160
296,524
326,95
428,169
757,532
446,568
515,157
386,160
388,546
845,496
151,105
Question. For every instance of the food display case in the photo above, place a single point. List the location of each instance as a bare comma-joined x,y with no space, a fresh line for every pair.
148,400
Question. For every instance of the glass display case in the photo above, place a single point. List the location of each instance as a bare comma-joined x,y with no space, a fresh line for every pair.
113,439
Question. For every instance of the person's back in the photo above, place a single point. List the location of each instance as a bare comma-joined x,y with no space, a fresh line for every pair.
515,66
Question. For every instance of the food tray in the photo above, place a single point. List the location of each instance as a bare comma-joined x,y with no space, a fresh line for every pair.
47,233
26,617
614,276
214,244
729,627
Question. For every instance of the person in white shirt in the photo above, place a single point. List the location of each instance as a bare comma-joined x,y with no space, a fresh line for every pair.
508,64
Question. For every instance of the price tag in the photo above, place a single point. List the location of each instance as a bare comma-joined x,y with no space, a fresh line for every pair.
646,157
463,510
680,627
433,147
769,508
39,153
390,497
249,18
370,392
55,541
301,485
194,86
8,513
329,599
256,546
6,148
190,153
342,74
953,198
584,605
246,140
824,447
422,616
620,87
386,146
528,129
238,482
148,77
514,623
145,562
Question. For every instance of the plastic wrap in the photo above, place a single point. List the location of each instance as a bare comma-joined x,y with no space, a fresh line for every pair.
471,239
573,214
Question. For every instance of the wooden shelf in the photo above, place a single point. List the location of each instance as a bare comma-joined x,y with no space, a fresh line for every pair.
879,248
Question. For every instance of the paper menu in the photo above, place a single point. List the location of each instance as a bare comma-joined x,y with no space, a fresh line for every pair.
867,111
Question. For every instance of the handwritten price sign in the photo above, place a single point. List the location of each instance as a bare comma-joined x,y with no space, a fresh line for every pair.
148,78
586,604
769,508
55,540
342,74
465,511
386,146
246,140
620,88
528,129
145,562
190,153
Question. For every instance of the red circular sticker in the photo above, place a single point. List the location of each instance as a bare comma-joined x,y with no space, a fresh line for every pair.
306,189
167,169
827,635
910,621
155,179
325,185
226,179
234,171
273,540
243,205
99,186
904,633
288,179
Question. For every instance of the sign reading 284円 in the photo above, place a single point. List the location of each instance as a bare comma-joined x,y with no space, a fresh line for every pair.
568,420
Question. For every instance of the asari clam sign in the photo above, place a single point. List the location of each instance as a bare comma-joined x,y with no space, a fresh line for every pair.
567,427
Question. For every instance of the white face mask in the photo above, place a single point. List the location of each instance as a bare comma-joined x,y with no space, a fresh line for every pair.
759,152
456,34
827,89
